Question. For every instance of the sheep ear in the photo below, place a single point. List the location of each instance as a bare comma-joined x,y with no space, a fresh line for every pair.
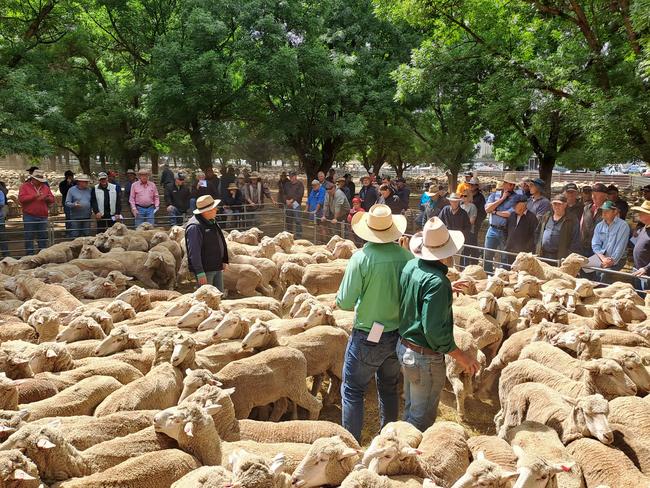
480,456
229,391
189,429
55,424
212,409
563,467
188,371
277,464
23,414
19,474
570,400
519,452
508,475
348,452
44,443
51,353
406,452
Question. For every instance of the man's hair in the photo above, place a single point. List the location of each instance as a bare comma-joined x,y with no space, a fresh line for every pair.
384,187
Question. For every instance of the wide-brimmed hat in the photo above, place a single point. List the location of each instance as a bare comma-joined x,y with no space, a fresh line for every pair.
232,186
435,241
474,181
130,171
644,208
539,183
38,175
378,224
143,171
510,178
454,197
205,203
438,188
82,177
255,174
365,177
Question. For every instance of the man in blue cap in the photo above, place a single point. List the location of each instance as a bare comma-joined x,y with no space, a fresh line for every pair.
538,203
609,242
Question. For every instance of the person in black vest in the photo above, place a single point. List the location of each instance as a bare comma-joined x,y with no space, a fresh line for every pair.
106,202
64,186
177,198
591,217
520,228
207,251
368,193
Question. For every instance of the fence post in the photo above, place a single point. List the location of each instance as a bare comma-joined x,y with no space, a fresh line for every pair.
50,233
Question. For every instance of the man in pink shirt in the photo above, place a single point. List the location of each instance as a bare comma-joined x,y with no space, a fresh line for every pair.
144,199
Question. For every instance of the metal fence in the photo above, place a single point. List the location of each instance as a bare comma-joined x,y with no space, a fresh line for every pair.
272,220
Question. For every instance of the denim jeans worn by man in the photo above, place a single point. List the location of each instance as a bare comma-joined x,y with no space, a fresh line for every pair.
370,287
498,207
35,198
427,322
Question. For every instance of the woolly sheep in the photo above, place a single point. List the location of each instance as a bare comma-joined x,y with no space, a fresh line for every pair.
52,357
571,418
18,471
194,316
302,431
14,366
293,452
261,303
121,371
327,462
583,341
633,367
181,305
607,376
540,440
8,394
494,449
462,383
266,267
224,418
137,297
290,295
405,431
244,279
120,310
29,307
79,329
210,295
119,339
206,477
162,266
444,448
46,322
267,376
195,379
603,465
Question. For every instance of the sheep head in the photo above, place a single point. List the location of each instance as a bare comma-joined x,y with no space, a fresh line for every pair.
181,305
15,366
258,336
609,378
584,288
194,316
51,356
590,416
215,317
157,238
137,297
210,295
9,392
116,341
386,453
487,303
184,349
195,379
120,310
118,278
16,469
319,315
80,329
328,461
290,295
88,251
536,472
252,470
527,286
633,366
495,285
177,233
11,421
485,474
228,328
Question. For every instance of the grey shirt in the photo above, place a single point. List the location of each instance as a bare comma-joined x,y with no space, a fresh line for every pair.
539,207
336,206
75,194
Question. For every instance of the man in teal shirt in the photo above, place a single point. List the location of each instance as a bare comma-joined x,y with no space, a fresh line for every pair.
427,322
370,287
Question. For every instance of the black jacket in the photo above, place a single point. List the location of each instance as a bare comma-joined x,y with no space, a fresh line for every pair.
206,245
521,238
368,195
178,197
235,203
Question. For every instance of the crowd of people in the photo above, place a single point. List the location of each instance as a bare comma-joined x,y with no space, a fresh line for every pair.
517,217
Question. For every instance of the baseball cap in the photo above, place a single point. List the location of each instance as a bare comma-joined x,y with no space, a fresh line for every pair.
608,205
599,187
559,198
315,182
519,199
293,173
468,173
179,176
586,189
539,182
570,187
356,200
102,175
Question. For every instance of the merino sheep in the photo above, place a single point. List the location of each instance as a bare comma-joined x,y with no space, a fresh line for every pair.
224,418
119,339
120,310
462,383
52,357
266,377
18,471
210,295
80,329
327,463
571,418
302,431
137,297
8,394
494,449
46,323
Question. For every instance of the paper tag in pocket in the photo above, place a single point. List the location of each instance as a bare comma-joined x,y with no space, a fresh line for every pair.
375,333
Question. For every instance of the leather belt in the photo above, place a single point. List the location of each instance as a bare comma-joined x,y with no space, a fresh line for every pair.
425,351
498,227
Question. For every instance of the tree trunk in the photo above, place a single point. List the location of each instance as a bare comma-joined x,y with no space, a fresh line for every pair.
452,177
155,156
203,149
131,159
84,161
102,160
377,164
546,165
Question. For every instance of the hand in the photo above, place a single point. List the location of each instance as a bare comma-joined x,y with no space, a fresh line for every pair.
334,221
323,218
639,272
469,364
225,266
134,211
202,280
77,204
118,217
98,215
404,242
170,208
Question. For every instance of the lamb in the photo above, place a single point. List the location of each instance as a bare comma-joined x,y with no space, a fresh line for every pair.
290,295
195,379
462,384
120,311
244,279
485,330
405,431
320,279
527,286
634,443
504,310
137,297
46,323
14,366
302,431
571,418
293,452
181,306
529,263
607,375
603,465
100,266
162,266
121,371
261,303
79,329
526,370
215,357
364,478
583,341
224,418
485,473
210,295
51,357
206,477
13,329
327,463
151,470
254,471
267,268
108,287
231,326
266,377
80,399
18,471
633,367
11,421
535,311
532,438
629,411
194,316
119,339
444,448
29,307
8,394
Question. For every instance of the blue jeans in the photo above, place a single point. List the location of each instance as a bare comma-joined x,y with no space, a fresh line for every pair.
605,277
363,360
144,215
192,204
641,284
176,217
215,278
494,239
80,228
424,378
4,247
35,229
294,216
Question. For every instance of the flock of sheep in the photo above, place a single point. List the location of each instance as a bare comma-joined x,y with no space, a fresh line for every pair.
107,383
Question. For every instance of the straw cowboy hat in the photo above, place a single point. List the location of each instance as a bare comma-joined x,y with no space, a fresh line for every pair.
435,242
205,203
510,178
232,186
82,177
255,174
454,197
378,224
38,175
645,208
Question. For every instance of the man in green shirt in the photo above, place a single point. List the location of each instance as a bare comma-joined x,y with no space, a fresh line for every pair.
427,322
370,287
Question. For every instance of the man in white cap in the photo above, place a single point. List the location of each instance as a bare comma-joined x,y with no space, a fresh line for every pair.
106,202
427,322
499,207
144,199
207,252
370,287
35,198
78,202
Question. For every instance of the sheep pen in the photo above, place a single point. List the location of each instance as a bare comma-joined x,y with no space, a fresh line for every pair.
118,371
